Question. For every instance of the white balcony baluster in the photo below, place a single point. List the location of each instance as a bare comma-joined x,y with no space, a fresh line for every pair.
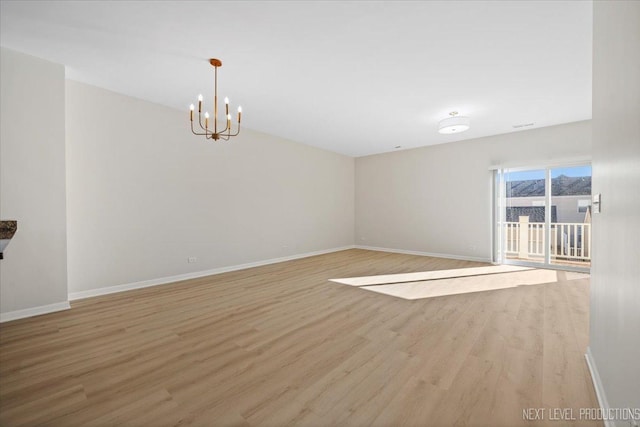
569,241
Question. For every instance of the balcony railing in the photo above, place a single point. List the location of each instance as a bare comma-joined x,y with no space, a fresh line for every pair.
569,241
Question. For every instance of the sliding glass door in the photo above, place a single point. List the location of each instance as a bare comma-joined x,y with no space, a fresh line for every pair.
524,215
571,228
543,217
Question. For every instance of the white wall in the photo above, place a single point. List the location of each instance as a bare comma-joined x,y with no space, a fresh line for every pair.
437,199
615,271
144,194
33,272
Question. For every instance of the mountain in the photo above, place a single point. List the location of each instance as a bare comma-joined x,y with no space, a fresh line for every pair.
561,186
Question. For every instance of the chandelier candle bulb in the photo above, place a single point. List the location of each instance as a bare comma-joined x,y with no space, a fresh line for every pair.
239,113
206,119
191,108
199,103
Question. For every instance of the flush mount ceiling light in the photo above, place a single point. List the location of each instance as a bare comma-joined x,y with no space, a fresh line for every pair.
454,124
225,134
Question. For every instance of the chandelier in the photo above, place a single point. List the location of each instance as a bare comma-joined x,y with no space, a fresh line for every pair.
213,133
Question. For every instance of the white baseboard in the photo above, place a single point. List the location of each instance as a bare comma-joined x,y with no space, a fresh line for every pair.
597,384
170,279
435,255
19,314
34,311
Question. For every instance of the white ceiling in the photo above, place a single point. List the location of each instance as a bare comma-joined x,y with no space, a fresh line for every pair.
353,77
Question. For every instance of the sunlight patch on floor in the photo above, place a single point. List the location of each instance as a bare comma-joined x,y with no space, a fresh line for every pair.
458,281
428,275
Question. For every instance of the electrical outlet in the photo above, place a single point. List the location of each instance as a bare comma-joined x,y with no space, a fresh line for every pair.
192,259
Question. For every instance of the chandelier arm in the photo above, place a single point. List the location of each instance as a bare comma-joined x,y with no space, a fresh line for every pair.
194,132
200,122
208,132
237,133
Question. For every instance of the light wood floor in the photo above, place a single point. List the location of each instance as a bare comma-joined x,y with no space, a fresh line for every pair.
281,345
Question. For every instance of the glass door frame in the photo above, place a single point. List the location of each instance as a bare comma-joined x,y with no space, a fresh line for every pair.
499,217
